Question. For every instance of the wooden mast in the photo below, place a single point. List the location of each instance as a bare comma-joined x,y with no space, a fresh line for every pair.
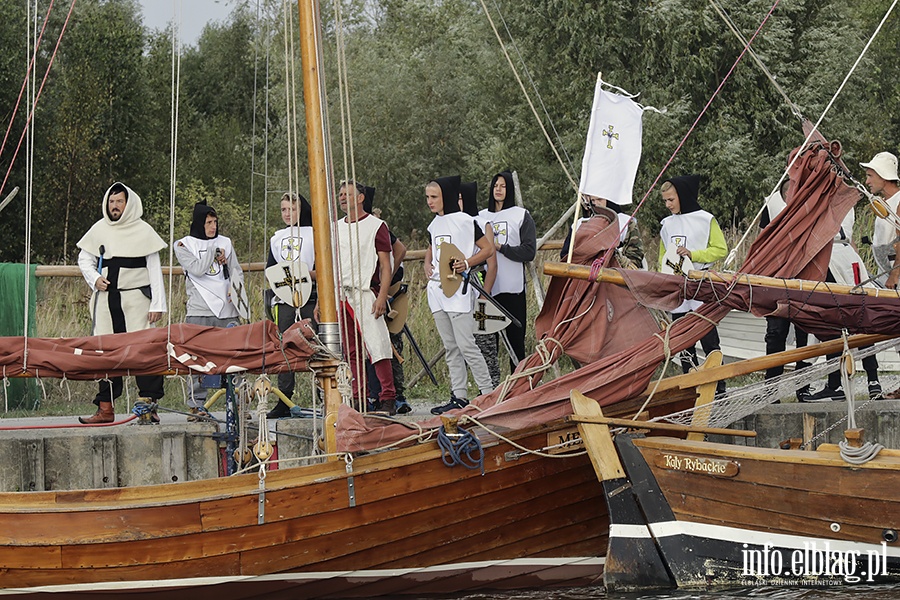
313,98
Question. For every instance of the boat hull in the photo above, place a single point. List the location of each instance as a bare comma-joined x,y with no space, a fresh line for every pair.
394,522
734,516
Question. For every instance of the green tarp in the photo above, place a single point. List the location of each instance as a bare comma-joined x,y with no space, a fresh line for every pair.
20,393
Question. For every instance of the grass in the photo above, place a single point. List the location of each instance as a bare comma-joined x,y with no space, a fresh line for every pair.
62,311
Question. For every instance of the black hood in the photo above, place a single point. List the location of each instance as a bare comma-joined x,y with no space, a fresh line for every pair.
449,192
198,221
469,193
688,188
510,199
369,202
305,211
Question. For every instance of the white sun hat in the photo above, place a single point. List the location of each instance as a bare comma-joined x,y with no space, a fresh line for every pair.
885,164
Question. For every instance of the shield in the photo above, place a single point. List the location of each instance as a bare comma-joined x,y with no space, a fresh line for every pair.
399,307
488,318
291,282
238,295
450,281
672,264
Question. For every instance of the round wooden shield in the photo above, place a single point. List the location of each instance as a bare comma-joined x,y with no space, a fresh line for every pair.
673,264
450,281
399,309
488,318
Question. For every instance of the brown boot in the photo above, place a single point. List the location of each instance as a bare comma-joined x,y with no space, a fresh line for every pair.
104,414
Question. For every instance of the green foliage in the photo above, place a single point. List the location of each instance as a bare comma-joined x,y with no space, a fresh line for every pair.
431,94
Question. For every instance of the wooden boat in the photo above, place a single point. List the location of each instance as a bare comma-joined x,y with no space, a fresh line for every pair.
394,522
695,514
398,522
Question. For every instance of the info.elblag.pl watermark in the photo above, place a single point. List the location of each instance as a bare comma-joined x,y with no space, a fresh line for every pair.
814,562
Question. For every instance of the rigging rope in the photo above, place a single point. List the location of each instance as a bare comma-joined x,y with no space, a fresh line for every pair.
253,130
705,108
173,164
347,147
733,254
528,98
29,59
534,87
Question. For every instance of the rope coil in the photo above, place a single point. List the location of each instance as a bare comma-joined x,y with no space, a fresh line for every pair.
461,449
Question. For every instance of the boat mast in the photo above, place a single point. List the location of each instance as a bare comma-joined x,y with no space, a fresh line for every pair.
319,190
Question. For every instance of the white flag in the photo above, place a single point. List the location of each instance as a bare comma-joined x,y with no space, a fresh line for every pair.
613,148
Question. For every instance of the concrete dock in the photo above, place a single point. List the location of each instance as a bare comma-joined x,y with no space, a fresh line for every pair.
40,458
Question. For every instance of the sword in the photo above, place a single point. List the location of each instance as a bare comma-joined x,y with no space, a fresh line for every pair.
96,291
9,197
509,348
418,352
467,279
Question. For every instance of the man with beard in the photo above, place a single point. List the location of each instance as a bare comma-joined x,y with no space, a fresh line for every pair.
119,259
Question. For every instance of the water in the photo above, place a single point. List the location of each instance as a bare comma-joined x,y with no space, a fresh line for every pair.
855,592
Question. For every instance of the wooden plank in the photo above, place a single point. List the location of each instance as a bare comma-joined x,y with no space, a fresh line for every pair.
887,462
104,463
706,393
96,526
174,458
596,436
450,532
32,453
658,425
202,567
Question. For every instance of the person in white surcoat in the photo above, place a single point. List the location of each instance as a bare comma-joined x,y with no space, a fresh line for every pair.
364,246
453,316
694,234
291,244
210,265
515,242
119,260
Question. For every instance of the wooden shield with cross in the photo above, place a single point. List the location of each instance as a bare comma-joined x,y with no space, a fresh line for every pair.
291,282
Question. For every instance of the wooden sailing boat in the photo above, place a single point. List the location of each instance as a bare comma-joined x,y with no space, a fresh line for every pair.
385,523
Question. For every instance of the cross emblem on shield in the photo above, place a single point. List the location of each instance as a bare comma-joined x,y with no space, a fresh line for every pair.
488,318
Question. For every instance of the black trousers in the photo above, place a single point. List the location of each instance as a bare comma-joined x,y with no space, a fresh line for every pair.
285,316
777,330
149,386
708,342
515,304
869,363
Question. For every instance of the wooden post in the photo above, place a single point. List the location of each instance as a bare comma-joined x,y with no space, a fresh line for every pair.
313,94
706,394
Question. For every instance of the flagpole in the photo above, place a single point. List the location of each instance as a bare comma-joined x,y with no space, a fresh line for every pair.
578,197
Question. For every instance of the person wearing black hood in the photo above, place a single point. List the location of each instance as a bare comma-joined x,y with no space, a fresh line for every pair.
515,240
209,262
453,316
694,234
294,242
487,343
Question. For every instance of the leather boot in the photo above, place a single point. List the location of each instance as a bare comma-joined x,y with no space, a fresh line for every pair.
104,414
